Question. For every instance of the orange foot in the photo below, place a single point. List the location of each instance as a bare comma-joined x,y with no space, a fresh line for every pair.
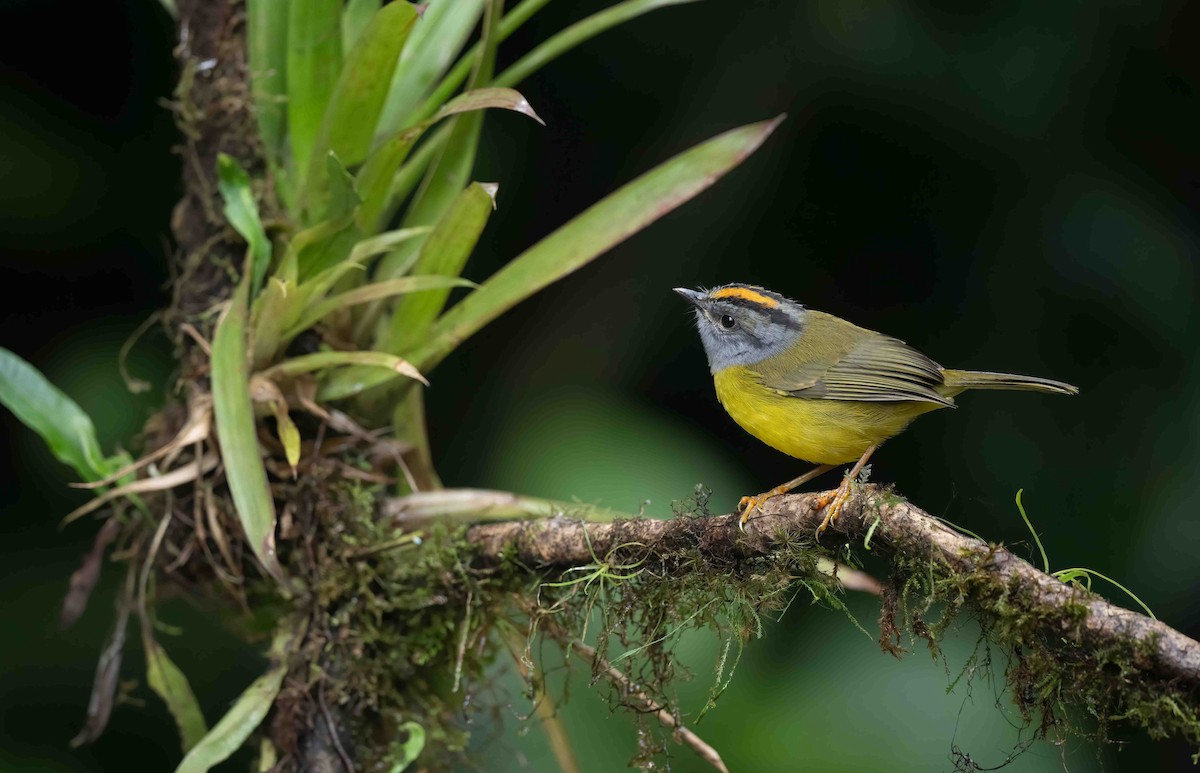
747,505
834,502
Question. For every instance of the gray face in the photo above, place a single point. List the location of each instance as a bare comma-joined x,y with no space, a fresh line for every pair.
742,324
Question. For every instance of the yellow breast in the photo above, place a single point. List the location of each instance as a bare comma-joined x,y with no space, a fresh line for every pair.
818,431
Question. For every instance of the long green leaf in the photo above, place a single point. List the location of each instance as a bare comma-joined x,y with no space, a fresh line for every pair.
443,30
357,98
450,173
314,59
243,718
375,179
444,253
266,48
397,366
165,678
58,419
381,243
589,235
241,211
423,285
237,433
314,289
511,22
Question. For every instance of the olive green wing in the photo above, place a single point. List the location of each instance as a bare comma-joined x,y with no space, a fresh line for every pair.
834,360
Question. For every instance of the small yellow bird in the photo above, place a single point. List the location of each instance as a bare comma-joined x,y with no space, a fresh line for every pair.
819,388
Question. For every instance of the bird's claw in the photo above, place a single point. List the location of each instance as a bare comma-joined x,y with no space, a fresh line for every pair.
746,506
832,505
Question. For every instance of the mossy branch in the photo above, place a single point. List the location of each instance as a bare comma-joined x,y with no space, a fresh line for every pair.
1074,648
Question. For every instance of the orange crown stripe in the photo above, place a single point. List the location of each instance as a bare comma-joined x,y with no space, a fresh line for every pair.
746,294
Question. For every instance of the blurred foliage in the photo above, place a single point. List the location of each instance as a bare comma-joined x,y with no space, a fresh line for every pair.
1011,187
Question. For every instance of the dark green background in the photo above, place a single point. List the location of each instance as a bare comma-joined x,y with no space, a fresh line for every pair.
1012,187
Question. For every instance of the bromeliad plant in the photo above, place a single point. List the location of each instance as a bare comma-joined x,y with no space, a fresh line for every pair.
359,221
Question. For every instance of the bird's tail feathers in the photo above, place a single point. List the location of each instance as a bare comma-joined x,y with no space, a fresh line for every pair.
978,379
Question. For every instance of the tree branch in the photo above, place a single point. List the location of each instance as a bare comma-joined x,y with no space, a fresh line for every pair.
1059,612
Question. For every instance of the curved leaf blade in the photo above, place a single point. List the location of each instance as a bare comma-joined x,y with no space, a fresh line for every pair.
241,210
512,21
443,30
237,433
388,363
58,419
378,291
165,678
376,177
445,252
243,718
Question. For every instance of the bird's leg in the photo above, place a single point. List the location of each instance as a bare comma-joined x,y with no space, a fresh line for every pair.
837,500
749,504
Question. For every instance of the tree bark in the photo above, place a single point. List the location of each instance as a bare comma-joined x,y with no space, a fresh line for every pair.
1062,611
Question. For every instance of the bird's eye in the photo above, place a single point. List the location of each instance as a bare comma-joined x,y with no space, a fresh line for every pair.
728,322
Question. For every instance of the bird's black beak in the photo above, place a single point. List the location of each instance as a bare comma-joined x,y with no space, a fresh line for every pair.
692,296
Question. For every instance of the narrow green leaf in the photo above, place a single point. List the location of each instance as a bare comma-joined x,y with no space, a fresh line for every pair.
385,241
241,210
375,179
451,171
58,419
355,19
314,289
511,22
237,433
479,99
444,253
314,59
398,366
165,678
266,46
357,99
440,35
377,291
579,33
243,718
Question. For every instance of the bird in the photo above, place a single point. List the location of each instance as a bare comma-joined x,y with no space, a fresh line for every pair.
819,388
